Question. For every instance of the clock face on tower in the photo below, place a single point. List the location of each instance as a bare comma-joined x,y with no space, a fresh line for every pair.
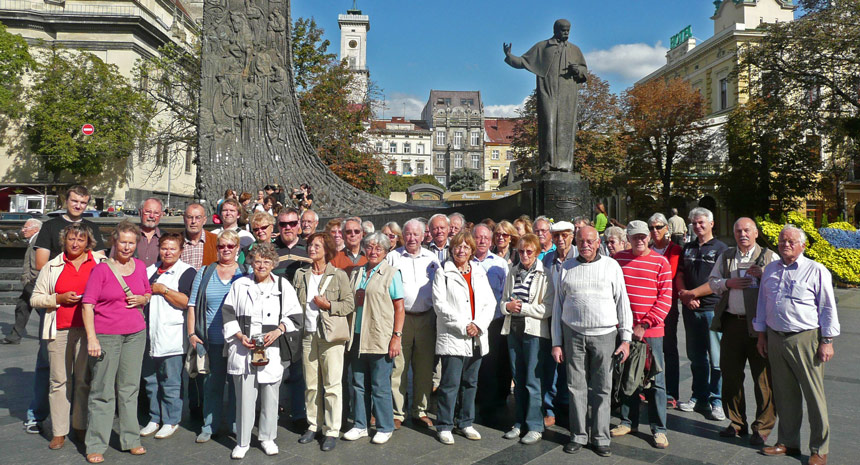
353,44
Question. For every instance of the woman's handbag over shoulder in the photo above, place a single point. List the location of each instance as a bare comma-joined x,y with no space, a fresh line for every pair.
335,328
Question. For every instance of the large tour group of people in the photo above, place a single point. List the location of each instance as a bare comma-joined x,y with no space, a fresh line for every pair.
331,324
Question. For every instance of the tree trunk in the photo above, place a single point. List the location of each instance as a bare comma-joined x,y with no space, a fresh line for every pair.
251,132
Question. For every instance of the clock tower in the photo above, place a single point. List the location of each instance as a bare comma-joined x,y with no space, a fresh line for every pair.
353,48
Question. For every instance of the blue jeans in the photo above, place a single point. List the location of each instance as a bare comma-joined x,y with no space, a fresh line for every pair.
162,377
39,408
553,383
371,379
670,352
459,380
656,396
527,367
703,350
213,392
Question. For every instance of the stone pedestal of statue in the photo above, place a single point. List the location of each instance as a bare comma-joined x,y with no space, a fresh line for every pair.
563,195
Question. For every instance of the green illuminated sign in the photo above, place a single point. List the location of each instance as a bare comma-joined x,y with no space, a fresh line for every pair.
681,37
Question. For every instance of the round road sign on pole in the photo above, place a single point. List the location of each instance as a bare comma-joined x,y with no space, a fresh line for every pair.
88,129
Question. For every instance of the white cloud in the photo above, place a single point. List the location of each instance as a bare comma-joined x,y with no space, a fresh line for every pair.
399,104
505,111
631,61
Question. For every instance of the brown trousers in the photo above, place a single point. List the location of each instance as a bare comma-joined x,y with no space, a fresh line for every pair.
736,349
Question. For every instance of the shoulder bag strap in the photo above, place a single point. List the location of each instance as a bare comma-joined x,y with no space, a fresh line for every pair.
122,283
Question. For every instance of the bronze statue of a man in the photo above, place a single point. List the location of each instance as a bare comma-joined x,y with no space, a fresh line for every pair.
560,69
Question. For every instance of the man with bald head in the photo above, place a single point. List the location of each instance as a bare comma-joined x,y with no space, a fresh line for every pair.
201,246
735,278
590,309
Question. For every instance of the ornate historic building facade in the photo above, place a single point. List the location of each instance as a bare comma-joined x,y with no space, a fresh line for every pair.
456,119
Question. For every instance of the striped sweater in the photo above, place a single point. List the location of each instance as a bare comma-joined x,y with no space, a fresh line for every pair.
649,288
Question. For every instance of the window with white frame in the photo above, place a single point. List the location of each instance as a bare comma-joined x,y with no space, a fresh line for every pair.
495,155
407,167
440,161
392,147
419,148
509,155
495,174
458,160
392,167
379,148
419,168
440,138
476,139
476,161
724,93
458,139
407,147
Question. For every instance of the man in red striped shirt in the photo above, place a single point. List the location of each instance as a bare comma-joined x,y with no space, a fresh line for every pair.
648,277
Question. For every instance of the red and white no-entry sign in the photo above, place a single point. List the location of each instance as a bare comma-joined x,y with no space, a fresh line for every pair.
88,129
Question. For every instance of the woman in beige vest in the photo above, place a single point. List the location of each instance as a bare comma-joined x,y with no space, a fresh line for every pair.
377,325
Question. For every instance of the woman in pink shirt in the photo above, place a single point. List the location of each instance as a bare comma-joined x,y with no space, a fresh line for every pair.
116,339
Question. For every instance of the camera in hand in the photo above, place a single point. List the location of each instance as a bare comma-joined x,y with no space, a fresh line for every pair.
258,357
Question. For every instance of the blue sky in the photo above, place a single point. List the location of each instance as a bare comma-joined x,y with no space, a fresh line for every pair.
415,46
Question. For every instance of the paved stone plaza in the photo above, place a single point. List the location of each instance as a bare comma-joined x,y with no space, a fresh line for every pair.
693,439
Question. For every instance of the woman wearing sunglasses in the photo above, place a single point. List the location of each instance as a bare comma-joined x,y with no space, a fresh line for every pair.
394,234
262,227
505,239
205,330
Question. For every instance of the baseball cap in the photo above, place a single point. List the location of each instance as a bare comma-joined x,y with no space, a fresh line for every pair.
636,227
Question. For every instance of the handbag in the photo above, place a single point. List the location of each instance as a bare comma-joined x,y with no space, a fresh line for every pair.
335,328
289,344
196,361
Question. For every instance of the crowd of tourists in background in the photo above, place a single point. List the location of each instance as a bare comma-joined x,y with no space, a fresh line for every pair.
327,324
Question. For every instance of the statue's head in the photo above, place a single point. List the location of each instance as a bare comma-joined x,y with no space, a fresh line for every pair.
561,29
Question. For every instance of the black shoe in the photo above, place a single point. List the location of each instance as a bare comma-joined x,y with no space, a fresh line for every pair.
328,444
602,451
572,447
307,437
6,340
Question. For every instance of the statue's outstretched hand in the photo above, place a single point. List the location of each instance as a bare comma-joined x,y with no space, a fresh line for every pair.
507,48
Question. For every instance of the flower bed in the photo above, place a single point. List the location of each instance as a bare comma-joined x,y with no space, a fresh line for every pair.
837,246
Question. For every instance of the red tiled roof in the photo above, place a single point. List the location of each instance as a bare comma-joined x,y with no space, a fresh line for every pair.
500,130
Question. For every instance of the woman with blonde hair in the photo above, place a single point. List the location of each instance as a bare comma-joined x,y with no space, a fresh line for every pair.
394,233
505,237
523,225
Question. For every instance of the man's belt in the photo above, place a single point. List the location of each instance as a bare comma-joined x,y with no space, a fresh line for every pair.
790,333
735,315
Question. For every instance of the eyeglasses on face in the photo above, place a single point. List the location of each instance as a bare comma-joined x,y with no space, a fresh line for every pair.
261,228
657,227
288,224
504,235
352,231
227,246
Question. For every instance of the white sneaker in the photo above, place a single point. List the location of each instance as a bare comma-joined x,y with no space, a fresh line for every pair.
471,433
355,433
381,438
149,429
445,437
269,447
165,432
239,452
717,413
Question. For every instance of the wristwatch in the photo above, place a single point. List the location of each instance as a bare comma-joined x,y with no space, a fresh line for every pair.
825,340
398,333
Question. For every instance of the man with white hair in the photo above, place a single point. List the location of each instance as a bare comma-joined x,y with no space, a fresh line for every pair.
417,267
541,228
796,322
30,231
456,221
310,221
439,227
694,290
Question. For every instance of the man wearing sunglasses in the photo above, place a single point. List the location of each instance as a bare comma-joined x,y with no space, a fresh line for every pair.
292,249
351,256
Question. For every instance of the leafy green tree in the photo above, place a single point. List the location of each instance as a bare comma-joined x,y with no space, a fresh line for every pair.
15,60
73,89
311,58
465,179
396,183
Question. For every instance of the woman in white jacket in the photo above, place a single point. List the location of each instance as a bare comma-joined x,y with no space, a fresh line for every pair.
171,280
465,305
259,304
527,328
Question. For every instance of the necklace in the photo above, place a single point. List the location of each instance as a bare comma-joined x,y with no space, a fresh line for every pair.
467,270
314,271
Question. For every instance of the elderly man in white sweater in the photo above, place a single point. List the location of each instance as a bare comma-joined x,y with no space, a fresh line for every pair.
590,310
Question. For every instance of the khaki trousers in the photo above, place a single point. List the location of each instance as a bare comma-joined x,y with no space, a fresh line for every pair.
798,374
418,351
736,349
67,355
323,367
